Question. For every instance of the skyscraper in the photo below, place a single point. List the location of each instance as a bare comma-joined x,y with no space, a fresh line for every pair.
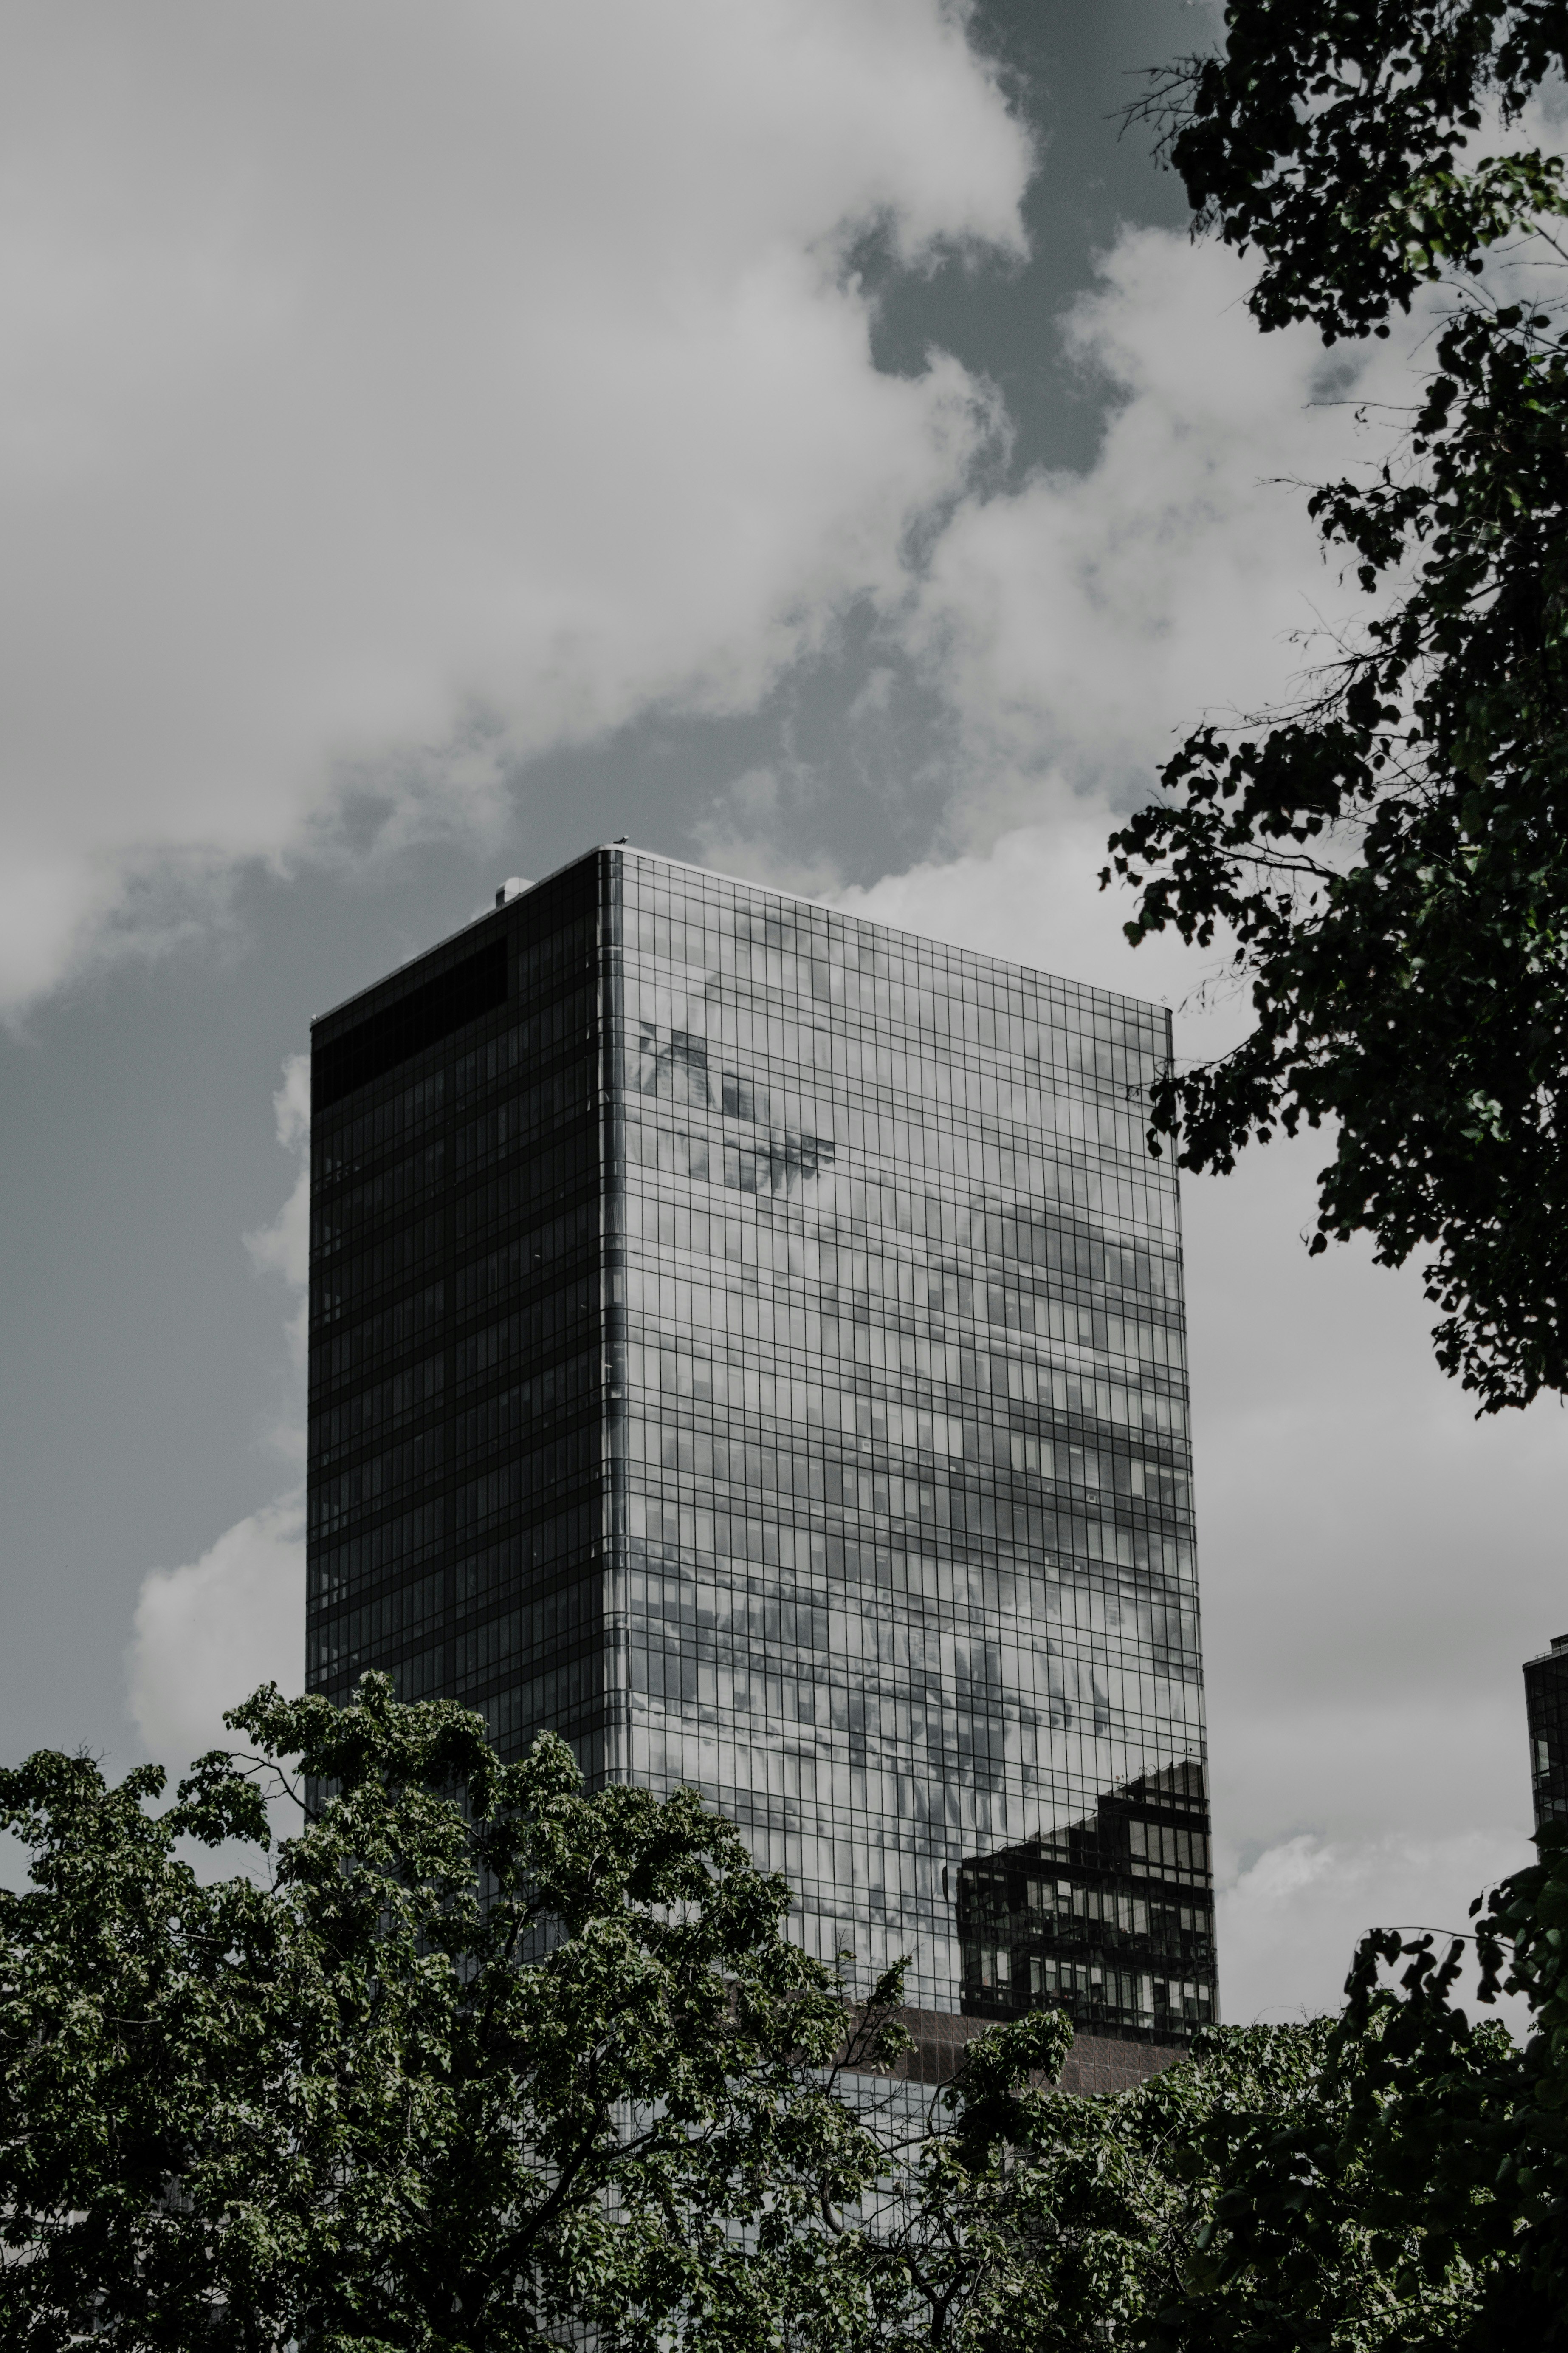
1546,1715
750,1340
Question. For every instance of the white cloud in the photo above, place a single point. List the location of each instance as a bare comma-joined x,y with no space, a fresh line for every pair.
393,389
1376,1563
1080,624
283,1248
1074,626
1289,1925
206,1635
1034,897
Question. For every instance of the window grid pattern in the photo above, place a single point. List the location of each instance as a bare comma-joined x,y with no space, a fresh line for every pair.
900,1449
455,1512
754,1347
1111,1917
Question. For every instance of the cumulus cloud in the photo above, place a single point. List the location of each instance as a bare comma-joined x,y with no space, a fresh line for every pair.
396,392
283,1248
1377,1562
1289,1925
207,1634
1080,622
1034,897
1064,631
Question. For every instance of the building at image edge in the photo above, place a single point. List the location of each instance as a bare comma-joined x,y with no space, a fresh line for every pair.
750,1340
1546,1716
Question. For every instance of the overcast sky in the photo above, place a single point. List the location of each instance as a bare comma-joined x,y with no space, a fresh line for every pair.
797,435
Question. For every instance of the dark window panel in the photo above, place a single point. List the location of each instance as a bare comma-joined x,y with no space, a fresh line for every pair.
420,1019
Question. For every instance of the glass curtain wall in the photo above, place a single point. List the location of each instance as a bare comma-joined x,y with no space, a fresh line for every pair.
901,1559
456,1329
749,1341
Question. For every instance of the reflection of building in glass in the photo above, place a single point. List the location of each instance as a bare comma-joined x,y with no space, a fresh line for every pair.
1546,1713
1111,1917
750,1340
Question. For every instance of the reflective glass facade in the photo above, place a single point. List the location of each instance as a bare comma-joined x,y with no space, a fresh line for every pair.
1110,1918
750,1340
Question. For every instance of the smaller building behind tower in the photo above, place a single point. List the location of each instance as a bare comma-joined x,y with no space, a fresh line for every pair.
1546,1713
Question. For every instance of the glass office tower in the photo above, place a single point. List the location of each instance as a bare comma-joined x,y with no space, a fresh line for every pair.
750,1340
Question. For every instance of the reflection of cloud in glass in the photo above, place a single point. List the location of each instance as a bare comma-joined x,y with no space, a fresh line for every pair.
676,1066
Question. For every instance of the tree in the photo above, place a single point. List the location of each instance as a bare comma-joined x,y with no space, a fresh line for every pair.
1396,2177
485,2062
1020,2219
484,2057
1390,857
1447,2140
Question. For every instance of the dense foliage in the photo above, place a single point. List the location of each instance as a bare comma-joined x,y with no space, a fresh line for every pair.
483,2054
1036,2222
485,2061
1448,2140
1394,2178
1390,859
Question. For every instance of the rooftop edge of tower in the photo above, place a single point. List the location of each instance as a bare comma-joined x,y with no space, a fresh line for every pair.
476,925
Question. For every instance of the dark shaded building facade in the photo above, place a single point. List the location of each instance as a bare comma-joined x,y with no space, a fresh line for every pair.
1546,1715
1110,1918
750,1340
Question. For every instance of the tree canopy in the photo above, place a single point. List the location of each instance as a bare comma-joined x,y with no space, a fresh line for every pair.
1445,2139
483,2062
1389,857
482,2056
1393,2178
